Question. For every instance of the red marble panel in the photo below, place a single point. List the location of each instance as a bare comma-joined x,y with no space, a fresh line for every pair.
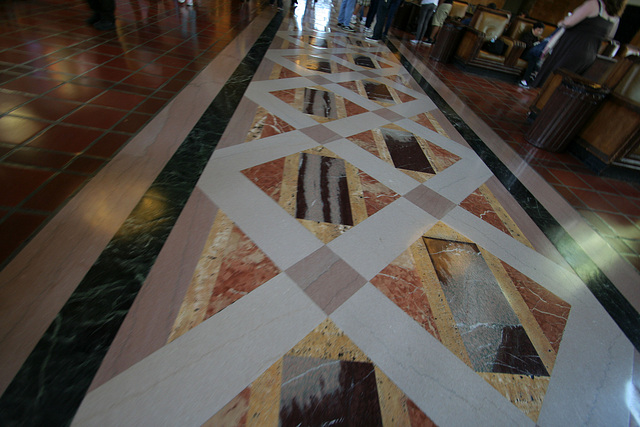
287,95
353,109
404,97
244,268
376,195
343,69
417,417
350,85
403,286
286,73
366,141
274,125
478,205
268,177
550,312
423,120
445,158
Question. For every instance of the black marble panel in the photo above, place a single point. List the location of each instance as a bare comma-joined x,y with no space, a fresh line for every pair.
377,91
364,61
318,42
516,354
52,382
406,151
323,194
319,392
319,64
319,103
620,310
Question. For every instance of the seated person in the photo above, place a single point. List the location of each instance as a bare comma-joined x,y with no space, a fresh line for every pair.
531,39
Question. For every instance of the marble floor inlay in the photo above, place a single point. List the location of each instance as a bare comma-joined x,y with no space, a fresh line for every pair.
349,253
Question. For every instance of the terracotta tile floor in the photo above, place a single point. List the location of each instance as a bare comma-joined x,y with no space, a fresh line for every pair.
71,97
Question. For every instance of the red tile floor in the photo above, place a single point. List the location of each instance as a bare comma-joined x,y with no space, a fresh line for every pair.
71,97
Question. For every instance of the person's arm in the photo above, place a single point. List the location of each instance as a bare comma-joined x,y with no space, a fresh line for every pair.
588,9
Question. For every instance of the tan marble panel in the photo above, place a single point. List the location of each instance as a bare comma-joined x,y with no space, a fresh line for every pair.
327,341
289,185
356,194
264,405
194,306
524,392
506,219
393,402
424,120
442,315
268,177
324,231
402,284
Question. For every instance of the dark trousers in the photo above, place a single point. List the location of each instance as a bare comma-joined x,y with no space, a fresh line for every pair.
386,11
106,9
426,12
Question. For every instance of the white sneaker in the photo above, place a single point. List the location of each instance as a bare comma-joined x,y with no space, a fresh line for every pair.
414,41
364,21
354,20
523,84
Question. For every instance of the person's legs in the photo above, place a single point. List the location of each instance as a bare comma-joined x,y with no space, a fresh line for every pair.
103,14
381,15
346,10
373,10
393,8
426,10
438,20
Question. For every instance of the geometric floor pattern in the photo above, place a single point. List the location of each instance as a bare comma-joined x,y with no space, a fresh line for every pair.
329,157
359,265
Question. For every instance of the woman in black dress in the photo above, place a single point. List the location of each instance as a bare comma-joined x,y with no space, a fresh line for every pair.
585,29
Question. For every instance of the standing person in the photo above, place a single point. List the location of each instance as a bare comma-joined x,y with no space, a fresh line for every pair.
443,10
386,11
427,7
344,17
104,14
364,5
584,31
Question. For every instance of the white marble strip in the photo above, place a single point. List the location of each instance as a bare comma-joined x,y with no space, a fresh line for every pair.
259,151
356,124
377,168
281,109
374,243
280,236
190,379
590,376
413,108
460,179
426,371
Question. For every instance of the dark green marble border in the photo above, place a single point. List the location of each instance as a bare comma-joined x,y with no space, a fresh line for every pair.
52,382
620,310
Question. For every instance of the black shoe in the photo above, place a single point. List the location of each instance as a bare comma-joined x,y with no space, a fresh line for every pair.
94,18
104,25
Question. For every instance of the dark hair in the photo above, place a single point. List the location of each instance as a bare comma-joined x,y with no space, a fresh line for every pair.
492,6
538,25
614,7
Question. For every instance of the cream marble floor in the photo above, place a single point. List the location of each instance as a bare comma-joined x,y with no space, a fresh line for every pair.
151,377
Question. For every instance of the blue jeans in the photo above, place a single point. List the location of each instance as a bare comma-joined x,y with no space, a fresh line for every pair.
346,10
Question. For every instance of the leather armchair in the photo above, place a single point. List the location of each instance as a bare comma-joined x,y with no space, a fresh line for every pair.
520,26
458,9
489,24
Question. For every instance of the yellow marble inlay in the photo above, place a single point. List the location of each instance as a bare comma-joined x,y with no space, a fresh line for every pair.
526,393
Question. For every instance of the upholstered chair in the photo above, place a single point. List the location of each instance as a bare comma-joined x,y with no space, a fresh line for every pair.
489,24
